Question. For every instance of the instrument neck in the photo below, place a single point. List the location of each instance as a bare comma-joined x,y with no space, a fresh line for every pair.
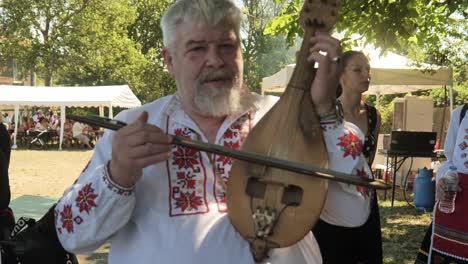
304,72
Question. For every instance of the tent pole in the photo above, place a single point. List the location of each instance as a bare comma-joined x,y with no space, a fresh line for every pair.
62,123
101,111
16,127
111,112
451,98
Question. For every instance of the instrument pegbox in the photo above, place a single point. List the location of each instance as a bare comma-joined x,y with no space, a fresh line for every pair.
320,15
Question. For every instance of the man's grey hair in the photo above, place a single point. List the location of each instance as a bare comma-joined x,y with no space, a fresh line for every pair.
209,12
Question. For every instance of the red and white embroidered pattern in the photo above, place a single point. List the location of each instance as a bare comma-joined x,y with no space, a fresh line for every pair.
187,177
361,189
232,138
85,201
188,190
350,144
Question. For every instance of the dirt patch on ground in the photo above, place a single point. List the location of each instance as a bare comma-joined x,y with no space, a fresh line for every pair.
45,173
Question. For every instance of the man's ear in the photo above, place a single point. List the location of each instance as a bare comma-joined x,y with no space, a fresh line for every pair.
168,61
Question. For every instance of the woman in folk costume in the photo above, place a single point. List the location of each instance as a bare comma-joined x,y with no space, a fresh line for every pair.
354,242
449,243
456,151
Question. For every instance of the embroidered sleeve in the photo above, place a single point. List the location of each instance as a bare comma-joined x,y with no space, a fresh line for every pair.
94,207
451,145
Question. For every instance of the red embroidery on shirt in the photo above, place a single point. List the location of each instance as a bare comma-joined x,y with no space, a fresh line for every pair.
187,177
185,157
350,144
188,201
66,217
363,190
187,173
232,138
85,199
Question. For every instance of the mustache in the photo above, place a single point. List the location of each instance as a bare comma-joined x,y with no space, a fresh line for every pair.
217,74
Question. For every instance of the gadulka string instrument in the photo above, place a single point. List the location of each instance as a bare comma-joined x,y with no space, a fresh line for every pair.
270,207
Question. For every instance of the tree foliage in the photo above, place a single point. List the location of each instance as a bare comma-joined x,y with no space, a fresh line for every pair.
88,42
427,31
393,25
35,31
146,31
263,54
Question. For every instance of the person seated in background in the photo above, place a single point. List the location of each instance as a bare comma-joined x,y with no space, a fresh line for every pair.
68,133
67,128
24,124
42,124
36,117
54,121
80,132
7,120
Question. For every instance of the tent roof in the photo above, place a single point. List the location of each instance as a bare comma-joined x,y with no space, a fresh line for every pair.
383,81
85,96
403,80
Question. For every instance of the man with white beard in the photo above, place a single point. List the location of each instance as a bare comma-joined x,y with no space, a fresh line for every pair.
161,203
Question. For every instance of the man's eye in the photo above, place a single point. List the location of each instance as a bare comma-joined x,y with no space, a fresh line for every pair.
197,49
228,46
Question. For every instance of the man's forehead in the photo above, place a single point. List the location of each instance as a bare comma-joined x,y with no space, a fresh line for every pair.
204,33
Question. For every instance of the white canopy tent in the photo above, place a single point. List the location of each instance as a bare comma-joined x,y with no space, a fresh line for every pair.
389,75
383,81
90,96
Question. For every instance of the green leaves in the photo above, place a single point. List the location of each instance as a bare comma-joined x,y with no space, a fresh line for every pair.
88,42
398,25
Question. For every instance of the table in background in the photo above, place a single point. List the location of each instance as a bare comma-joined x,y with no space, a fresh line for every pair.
395,155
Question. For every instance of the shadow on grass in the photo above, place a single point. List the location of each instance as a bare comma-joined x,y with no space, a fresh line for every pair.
31,206
403,228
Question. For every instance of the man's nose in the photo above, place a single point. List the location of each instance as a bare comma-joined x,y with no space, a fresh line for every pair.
214,58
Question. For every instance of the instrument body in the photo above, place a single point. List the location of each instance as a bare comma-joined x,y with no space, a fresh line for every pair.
276,208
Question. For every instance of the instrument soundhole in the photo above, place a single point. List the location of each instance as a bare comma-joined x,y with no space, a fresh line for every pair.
255,188
292,195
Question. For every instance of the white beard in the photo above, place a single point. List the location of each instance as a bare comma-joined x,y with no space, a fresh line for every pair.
218,102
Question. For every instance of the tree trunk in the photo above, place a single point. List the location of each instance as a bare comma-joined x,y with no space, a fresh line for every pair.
48,79
32,78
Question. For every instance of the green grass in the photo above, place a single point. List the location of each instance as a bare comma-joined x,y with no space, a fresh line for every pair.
403,228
